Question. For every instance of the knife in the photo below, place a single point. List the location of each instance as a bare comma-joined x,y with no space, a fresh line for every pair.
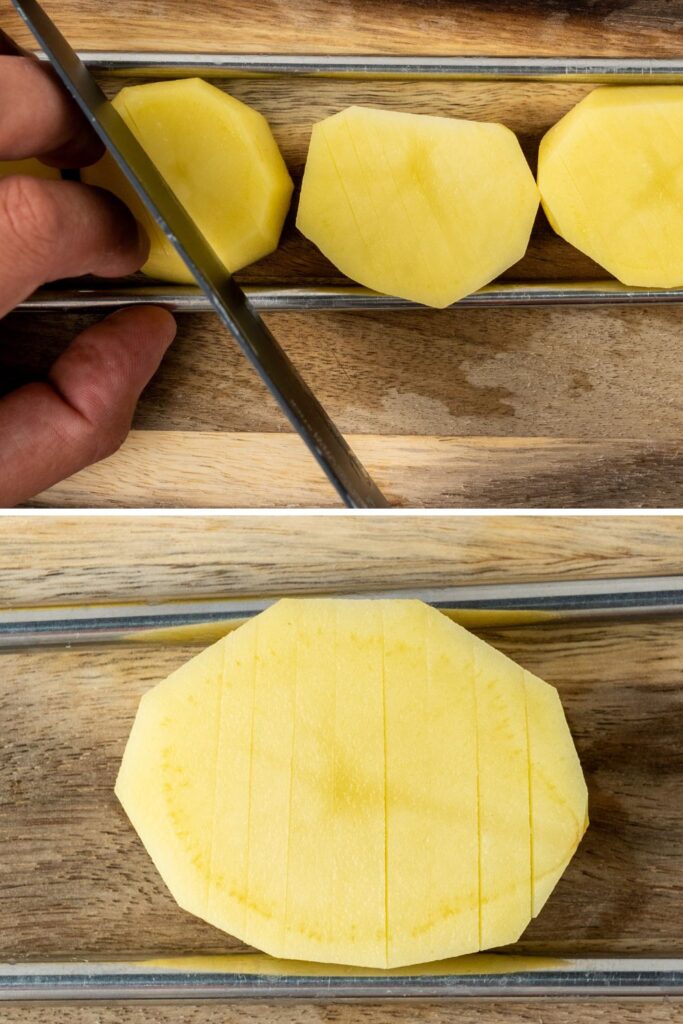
303,410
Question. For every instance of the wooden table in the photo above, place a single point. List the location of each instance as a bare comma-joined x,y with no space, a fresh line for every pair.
469,407
74,878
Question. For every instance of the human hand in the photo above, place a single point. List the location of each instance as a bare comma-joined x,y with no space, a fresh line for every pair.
53,229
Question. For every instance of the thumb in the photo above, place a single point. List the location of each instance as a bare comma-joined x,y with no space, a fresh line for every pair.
83,411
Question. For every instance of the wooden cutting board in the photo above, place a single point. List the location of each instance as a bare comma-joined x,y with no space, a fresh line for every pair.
74,878
467,407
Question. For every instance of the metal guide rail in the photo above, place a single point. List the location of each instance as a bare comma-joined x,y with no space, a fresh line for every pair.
75,296
524,978
485,606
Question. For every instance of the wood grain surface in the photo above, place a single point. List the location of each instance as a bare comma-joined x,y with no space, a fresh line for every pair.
74,878
275,470
590,374
71,560
567,375
509,1012
77,882
605,27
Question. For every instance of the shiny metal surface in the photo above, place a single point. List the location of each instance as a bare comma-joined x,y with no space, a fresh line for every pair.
350,297
587,69
495,604
303,410
270,298
127,981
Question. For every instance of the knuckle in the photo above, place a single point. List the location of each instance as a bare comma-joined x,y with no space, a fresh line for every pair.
97,438
109,440
30,214
106,427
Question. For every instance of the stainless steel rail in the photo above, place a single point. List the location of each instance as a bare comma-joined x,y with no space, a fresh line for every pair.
115,981
494,604
325,297
271,298
362,66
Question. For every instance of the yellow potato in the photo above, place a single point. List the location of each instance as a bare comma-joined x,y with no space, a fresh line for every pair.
611,180
358,782
424,208
34,169
221,160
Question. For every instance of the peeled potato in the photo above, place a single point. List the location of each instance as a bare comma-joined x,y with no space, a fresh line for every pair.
359,782
33,168
424,208
611,180
221,160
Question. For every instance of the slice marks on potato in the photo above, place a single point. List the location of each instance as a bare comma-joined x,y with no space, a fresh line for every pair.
610,173
420,207
431,785
219,157
356,781
558,794
504,835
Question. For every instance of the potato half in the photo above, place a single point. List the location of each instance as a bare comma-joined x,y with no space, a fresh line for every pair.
221,160
359,782
424,208
611,180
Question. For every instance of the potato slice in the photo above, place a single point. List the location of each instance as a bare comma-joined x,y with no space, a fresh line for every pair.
336,876
504,833
270,777
424,208
349,782
233,741
173,743
558,795
221,160
431,785
611,180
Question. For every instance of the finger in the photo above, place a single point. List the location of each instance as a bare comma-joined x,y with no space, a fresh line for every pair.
39,118
82,413
56,229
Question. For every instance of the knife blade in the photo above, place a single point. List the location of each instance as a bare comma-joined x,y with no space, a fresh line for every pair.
301,407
